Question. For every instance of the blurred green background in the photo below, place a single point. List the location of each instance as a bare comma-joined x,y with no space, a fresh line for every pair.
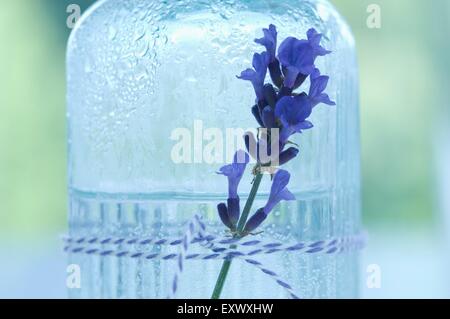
400,69
404,92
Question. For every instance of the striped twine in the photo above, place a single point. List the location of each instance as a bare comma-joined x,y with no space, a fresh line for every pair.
218,242
219,247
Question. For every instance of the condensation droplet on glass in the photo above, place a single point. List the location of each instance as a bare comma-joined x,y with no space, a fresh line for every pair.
112,33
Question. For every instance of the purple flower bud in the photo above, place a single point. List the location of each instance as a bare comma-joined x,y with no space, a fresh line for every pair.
257,115
275,73
268,117
234,210
288,155
255,221
223,214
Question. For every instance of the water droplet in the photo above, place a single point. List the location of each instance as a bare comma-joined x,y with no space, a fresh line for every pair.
112,33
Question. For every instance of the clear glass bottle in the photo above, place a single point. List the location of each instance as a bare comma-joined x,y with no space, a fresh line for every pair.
138,70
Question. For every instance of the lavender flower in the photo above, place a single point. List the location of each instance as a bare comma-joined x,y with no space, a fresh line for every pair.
257,75
230,214
277,107
292,113
278,193
318,85
298,56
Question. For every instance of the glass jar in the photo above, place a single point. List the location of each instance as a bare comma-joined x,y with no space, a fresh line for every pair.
143,73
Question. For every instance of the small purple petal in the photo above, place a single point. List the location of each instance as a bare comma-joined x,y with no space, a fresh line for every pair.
325,99
306,125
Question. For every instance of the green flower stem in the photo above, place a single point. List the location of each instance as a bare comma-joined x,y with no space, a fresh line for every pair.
242,221
249,204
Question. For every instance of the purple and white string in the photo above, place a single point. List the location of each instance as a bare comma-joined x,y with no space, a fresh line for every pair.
219,246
